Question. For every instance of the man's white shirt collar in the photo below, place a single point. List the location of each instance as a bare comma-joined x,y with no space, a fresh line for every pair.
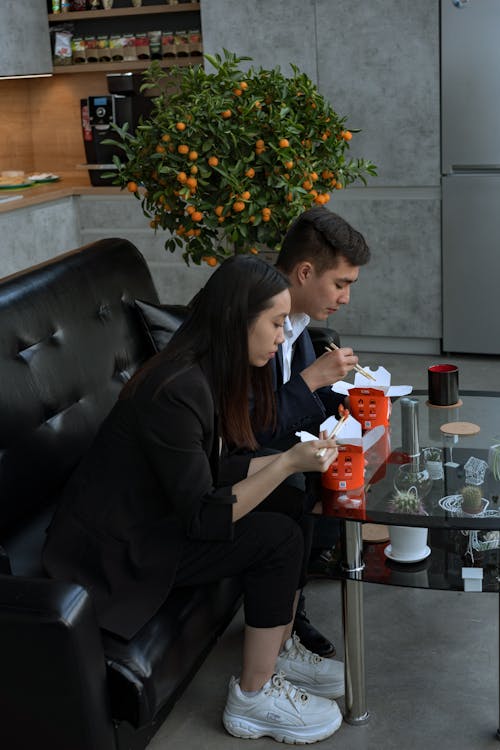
292,328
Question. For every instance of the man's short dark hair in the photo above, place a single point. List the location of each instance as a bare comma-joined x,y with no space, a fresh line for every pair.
322,237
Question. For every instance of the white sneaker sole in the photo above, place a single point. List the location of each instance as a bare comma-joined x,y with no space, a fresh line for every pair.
251,729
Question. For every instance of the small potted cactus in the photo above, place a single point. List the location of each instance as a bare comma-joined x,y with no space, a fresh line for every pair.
406,501
472,499
494,461
433,458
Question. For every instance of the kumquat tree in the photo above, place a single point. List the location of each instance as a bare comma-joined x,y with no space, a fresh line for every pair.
229,159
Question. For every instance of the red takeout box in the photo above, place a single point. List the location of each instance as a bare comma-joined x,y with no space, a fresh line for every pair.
347,472
370,407
370,401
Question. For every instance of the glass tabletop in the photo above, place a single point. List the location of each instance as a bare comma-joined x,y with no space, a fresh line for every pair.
462,459
457,539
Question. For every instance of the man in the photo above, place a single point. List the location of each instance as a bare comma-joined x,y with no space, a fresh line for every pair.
321,255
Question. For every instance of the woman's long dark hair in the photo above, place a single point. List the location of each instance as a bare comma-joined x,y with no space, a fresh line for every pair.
215,334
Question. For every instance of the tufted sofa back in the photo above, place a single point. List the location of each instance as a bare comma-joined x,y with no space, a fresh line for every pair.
70,337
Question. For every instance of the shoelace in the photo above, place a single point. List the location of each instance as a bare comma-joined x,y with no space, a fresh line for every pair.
279,685
298,649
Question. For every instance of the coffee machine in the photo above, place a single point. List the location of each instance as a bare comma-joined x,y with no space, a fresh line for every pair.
124,103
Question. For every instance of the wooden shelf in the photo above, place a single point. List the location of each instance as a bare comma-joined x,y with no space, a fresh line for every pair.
83,15
113,67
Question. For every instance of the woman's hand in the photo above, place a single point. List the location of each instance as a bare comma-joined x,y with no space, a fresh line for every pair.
313,455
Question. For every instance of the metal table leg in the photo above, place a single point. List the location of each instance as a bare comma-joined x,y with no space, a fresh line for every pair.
352,612
498,625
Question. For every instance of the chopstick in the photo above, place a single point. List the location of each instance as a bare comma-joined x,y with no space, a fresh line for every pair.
358,368
332,434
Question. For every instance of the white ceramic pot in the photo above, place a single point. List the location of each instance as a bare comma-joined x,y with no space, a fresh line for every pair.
408,543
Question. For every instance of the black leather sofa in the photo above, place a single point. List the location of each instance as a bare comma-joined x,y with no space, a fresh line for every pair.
70,336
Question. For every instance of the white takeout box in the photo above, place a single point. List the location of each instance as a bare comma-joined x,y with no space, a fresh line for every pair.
382,383
349,433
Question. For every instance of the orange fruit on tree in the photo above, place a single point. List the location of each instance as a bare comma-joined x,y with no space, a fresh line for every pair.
182,148
218,210
191,182
132,187
245,195
338,186
180,126
182,177
289,164
313,176
226,114
250,172
346,135
260,143
160,149
212,261
165,137
190,209
237,92
213,161
194,169
243,85
238,206
197,216
284,143
307,185
193,155
254,251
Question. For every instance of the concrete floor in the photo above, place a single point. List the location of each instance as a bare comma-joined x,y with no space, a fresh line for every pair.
431,656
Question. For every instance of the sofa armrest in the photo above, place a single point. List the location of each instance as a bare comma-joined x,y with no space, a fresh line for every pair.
321,336
5,568
53,689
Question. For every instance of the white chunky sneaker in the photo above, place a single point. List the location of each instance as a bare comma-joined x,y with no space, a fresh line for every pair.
281,711
309,671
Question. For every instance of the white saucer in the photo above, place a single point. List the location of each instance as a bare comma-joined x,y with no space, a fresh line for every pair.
388,553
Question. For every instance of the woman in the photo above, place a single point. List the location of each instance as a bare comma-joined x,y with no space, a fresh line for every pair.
146,509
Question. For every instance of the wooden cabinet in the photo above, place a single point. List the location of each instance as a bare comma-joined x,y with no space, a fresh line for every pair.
125,20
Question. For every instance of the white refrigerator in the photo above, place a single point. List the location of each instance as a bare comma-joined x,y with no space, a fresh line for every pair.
470,138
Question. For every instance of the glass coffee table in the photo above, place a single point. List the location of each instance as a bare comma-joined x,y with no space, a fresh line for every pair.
463,548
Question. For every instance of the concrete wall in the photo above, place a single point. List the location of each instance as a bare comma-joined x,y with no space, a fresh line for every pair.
121,216
34,234
378,64
24,38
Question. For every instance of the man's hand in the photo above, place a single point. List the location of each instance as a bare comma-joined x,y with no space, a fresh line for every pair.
329,368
